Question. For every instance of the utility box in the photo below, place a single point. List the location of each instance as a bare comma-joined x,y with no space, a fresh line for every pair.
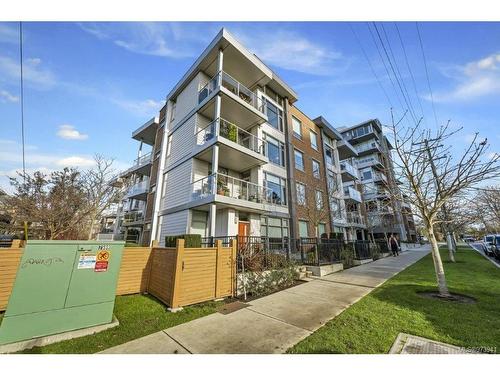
62,286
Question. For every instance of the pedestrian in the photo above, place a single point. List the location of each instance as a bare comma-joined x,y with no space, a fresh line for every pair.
393,245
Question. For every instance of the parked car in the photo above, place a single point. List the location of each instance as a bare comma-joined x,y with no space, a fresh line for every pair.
469,239
489,243
496,246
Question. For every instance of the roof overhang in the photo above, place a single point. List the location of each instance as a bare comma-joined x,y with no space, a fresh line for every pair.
327,128
147,132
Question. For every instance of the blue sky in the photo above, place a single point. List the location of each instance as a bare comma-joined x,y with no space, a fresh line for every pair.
89,85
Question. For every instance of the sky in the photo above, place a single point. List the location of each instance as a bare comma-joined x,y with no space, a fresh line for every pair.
88,86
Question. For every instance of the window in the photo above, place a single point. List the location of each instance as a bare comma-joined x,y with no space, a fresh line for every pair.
299,160
275,150
303,232
172,112
301,194
366,174
330,161
273,227
321,229
274,116
276,189
297,128
319,200
315,169
169,145
314,139
335,208
333,184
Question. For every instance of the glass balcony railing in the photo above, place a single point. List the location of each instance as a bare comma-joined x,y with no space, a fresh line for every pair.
139,188
133,216
235,188
352,193
372,160
231,132
375,146
347,167
225,80
355,218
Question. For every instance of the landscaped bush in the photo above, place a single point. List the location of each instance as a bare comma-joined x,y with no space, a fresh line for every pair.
259,283
190,240
347,255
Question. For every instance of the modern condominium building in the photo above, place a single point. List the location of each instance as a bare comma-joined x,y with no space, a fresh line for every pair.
220,149
381,196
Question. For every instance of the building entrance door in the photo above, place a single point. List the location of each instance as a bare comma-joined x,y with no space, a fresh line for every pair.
243,233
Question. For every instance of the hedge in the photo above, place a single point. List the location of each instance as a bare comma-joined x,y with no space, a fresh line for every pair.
190,240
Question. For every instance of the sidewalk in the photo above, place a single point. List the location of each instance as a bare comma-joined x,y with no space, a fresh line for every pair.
274,323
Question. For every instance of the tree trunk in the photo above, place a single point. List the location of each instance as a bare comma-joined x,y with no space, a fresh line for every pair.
438,265
449,242
91,230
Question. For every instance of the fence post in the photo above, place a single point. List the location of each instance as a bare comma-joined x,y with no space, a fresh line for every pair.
154,243
234,261
179,265
16,243
316,245
218,268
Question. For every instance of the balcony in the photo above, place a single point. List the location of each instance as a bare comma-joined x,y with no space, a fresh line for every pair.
355,218
141,165
133,218
231,191
379,177
349,173
138,191
239,149
239,103
352,194
147,132
367,148
372,161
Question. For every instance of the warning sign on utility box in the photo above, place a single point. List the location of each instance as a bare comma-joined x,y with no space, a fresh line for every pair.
86,261
102,260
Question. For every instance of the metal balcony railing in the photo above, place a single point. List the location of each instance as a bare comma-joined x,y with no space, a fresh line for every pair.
231,132
225,80
235,188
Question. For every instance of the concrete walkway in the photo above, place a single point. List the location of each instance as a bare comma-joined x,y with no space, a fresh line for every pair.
274,323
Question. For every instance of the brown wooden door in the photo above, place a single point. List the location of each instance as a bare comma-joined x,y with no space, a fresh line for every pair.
243,233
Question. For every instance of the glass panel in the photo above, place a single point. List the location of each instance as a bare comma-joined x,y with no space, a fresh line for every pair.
314,139
297,128
303,228
299,160
315,167
301,194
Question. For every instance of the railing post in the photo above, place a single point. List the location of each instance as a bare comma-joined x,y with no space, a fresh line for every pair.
179,267
218,268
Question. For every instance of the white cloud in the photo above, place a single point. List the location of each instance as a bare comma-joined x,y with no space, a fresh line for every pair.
33,72
9,33
475,79
148,107
76,162
69,132
292,51
148,38
7,97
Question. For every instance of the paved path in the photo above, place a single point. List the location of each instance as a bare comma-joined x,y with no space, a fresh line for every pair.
274,323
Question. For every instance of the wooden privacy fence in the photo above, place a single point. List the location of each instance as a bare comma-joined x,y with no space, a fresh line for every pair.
9,262
177,276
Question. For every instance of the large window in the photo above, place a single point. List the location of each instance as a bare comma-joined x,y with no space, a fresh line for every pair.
276,188
301,194
314,139
297,128
275,150
330,160
333,184
335,208
366,174
315,169
299,160
319,199
274,116
273,227
303,232
321,229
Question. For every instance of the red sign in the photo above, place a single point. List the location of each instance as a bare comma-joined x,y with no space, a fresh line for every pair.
101,266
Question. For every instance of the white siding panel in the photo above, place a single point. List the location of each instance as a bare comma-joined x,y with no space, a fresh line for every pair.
182,141
187,100
178,185
173,224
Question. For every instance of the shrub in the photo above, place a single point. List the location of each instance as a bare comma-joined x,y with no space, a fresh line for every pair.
259,283
347,255
190,240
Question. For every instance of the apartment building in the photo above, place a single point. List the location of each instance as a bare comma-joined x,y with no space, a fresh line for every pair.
218,162
381,196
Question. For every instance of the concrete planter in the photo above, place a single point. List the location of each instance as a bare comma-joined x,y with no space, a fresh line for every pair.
358,262
326,269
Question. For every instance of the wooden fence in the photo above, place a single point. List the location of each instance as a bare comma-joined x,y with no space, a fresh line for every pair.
177,276
9,263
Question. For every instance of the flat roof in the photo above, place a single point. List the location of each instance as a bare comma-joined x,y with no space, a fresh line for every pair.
328,128
374,121
222,40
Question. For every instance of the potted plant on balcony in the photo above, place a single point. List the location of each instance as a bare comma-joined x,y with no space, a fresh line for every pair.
222,188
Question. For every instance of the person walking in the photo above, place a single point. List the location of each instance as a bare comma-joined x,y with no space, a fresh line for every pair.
393,245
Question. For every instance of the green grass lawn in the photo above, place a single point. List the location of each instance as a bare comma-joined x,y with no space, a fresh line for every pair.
139,315
372,324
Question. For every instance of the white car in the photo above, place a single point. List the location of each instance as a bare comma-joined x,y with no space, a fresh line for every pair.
489,244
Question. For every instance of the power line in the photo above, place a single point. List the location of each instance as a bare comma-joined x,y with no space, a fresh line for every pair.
393,71
399,72
371,66
409,69
22,95
427,73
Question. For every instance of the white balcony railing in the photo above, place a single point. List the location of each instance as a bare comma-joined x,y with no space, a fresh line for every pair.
225,80
347,167
231,132
368,146
371,160
353,194
377,176
235,188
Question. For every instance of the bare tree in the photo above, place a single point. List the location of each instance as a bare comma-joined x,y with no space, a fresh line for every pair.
486,203
433,176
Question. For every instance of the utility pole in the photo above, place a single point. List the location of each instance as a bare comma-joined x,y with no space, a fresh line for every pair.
449,236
